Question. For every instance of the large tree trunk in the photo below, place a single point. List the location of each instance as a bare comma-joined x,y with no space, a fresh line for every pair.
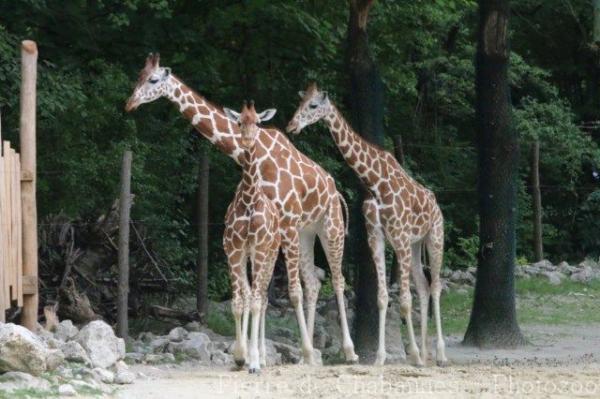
493,319
202,271
366,107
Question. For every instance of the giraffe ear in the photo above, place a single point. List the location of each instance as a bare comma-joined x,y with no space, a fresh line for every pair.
167,72
301,93
156,60
267,114
231,114
324,96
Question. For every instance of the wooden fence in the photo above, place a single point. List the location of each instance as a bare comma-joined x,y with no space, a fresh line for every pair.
11,230
18,209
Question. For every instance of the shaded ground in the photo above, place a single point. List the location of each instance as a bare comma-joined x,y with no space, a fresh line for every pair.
564,361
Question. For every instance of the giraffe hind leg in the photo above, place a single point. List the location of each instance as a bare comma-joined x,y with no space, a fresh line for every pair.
422,287
435,248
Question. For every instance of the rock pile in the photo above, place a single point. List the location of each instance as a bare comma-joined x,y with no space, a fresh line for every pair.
583,272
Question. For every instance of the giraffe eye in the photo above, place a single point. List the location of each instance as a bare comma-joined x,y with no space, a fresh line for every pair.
313,106
153,80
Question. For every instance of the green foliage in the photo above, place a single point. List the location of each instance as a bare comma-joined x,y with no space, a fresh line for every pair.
90,53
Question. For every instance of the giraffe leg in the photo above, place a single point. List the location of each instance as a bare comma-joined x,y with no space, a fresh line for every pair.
403,254
290,245
239,289
332,237
422,286
376,240
312,285
435,248
263,345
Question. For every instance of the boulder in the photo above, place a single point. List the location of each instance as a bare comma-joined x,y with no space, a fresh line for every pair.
177,334
134,357
74,352
66,330
555,277
67,390
123,375
584,275
197,346
273,357
54,359
103,375
15,380
21,350
102,346
152,358
289,353
159,345
220,358
193,326
544,265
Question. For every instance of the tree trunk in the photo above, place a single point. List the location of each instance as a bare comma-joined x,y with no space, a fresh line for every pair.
366,108
202,292
596,32
493,320
537,202
124,219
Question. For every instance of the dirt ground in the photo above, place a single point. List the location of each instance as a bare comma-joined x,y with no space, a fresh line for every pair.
561,362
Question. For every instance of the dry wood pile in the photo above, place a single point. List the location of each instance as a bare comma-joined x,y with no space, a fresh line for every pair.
79,268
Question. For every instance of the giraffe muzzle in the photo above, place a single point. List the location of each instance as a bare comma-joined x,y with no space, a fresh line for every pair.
292,127
131,105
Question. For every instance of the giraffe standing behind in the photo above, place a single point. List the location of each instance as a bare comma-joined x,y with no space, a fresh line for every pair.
251,232
399,209
304,194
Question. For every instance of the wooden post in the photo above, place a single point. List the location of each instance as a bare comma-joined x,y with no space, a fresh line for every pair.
202,272
124,219
537,202
29,55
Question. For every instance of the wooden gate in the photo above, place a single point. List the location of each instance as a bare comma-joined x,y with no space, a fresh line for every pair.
11,230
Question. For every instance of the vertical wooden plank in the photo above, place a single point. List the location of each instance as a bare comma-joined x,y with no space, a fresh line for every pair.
202,209
29,55
19,234
3,249
13,225
7,220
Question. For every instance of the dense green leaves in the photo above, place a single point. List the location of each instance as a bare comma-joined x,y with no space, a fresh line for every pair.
90,53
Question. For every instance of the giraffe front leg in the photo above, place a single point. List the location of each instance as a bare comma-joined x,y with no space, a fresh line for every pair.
332,240
404,255
263,345
290,241
376,240
435,248
312,284
422,286
239,289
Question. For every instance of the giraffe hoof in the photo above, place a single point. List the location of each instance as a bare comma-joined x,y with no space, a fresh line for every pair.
379,361
442,363
254,370
240,362
352,359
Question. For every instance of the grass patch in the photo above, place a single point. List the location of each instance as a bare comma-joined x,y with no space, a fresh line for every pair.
27,393
538,302
221,323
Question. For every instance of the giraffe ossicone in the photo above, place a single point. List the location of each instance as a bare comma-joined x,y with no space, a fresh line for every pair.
398,209
305,196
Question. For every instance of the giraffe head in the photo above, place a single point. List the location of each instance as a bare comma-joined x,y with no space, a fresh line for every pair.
153,83
314,106
248,121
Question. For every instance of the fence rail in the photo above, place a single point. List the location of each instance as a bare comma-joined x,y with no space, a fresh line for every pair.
11,230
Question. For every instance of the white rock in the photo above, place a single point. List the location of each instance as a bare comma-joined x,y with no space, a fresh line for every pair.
544,264
153,358
197,346
555,278
102,346
177,334
67,390
54,359
74,352
124,377
21,350
103,375
159,345
584,275
66,330
14,380
221,358
193,326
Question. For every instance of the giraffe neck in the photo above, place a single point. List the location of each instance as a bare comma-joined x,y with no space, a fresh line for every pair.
206,118
360,155
250,178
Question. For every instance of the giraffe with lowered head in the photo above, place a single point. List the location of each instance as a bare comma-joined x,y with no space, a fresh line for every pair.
305,195
399,209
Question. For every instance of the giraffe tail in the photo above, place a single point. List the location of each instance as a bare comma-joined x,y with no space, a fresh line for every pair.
345,206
